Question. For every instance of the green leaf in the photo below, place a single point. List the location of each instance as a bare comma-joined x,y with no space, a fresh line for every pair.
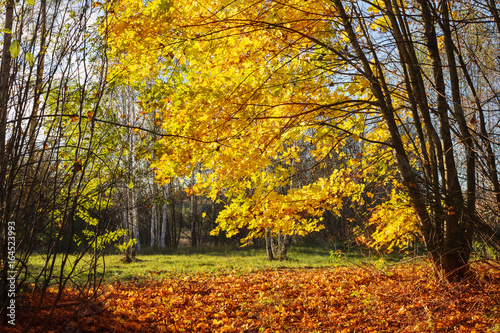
276,91
30,2
15,48
30,59
165,5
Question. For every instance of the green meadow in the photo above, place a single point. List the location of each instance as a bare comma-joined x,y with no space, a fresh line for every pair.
191,261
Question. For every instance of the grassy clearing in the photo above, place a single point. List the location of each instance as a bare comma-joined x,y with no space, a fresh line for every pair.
189,261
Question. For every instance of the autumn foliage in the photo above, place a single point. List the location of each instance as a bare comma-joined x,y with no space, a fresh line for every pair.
363,299
251,98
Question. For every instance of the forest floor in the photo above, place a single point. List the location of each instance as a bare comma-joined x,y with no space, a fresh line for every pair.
364,297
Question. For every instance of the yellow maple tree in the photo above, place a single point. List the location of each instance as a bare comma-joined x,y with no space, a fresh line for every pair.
238,86
236,97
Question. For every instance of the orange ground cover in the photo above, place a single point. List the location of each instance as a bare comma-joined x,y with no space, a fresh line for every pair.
404,299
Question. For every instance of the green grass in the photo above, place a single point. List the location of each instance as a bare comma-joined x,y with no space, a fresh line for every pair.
181,262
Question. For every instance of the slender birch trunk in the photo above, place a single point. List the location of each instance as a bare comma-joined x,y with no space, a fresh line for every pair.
153,223
164,223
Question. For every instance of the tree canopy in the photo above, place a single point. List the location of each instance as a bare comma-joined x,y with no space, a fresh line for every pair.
245,90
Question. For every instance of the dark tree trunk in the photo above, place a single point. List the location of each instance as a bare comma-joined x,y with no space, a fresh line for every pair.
194,220
444,220
4,97
269,245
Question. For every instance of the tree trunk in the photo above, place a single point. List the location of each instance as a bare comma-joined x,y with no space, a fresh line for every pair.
130,225
173,224
269,245
194,220
282,246
135,222
448,252
4,97
153,223
194,214
456,251
463,235
164,224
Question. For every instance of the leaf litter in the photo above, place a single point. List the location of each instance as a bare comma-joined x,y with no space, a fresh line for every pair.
364,299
